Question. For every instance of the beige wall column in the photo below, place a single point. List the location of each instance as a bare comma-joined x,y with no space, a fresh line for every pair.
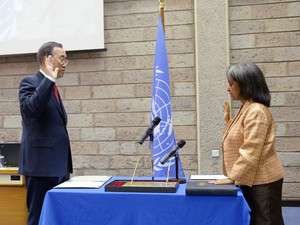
212,60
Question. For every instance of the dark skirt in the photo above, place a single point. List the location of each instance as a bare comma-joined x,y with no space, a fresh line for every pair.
265,203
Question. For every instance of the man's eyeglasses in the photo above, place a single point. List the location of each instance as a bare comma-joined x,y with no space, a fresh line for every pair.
63,61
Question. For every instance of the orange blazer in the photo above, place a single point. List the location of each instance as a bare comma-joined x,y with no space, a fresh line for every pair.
249,156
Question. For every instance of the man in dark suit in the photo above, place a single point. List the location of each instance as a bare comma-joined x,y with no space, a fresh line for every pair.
45,157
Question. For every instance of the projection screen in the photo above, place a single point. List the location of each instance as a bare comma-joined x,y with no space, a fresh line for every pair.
26,24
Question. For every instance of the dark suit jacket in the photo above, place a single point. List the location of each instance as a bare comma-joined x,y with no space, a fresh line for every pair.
45,147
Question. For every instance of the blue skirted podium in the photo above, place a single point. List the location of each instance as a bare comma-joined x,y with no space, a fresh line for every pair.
97,207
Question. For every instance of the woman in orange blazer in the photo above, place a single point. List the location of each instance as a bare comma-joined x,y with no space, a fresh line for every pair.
249,155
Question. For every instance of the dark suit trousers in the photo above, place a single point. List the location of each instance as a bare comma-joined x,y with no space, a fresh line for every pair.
265,203
36,191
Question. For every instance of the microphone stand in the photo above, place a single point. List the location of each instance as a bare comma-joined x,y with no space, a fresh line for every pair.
151,148
180,180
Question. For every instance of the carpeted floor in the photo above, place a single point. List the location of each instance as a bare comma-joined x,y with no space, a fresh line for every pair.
291,215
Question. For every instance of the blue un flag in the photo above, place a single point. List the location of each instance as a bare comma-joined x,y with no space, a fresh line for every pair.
163,135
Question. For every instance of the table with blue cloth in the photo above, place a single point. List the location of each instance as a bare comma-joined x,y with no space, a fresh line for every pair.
97,207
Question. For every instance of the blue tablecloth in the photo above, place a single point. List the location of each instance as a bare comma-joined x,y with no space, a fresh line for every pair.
97,207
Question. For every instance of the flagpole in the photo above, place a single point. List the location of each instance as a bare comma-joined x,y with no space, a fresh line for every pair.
161,12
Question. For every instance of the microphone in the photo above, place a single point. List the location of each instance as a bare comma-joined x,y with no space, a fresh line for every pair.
167,156
149,131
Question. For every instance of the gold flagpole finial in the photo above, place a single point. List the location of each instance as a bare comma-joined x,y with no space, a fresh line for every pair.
161,4
161,11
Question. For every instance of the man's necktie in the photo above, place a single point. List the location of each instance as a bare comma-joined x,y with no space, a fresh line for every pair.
56,93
